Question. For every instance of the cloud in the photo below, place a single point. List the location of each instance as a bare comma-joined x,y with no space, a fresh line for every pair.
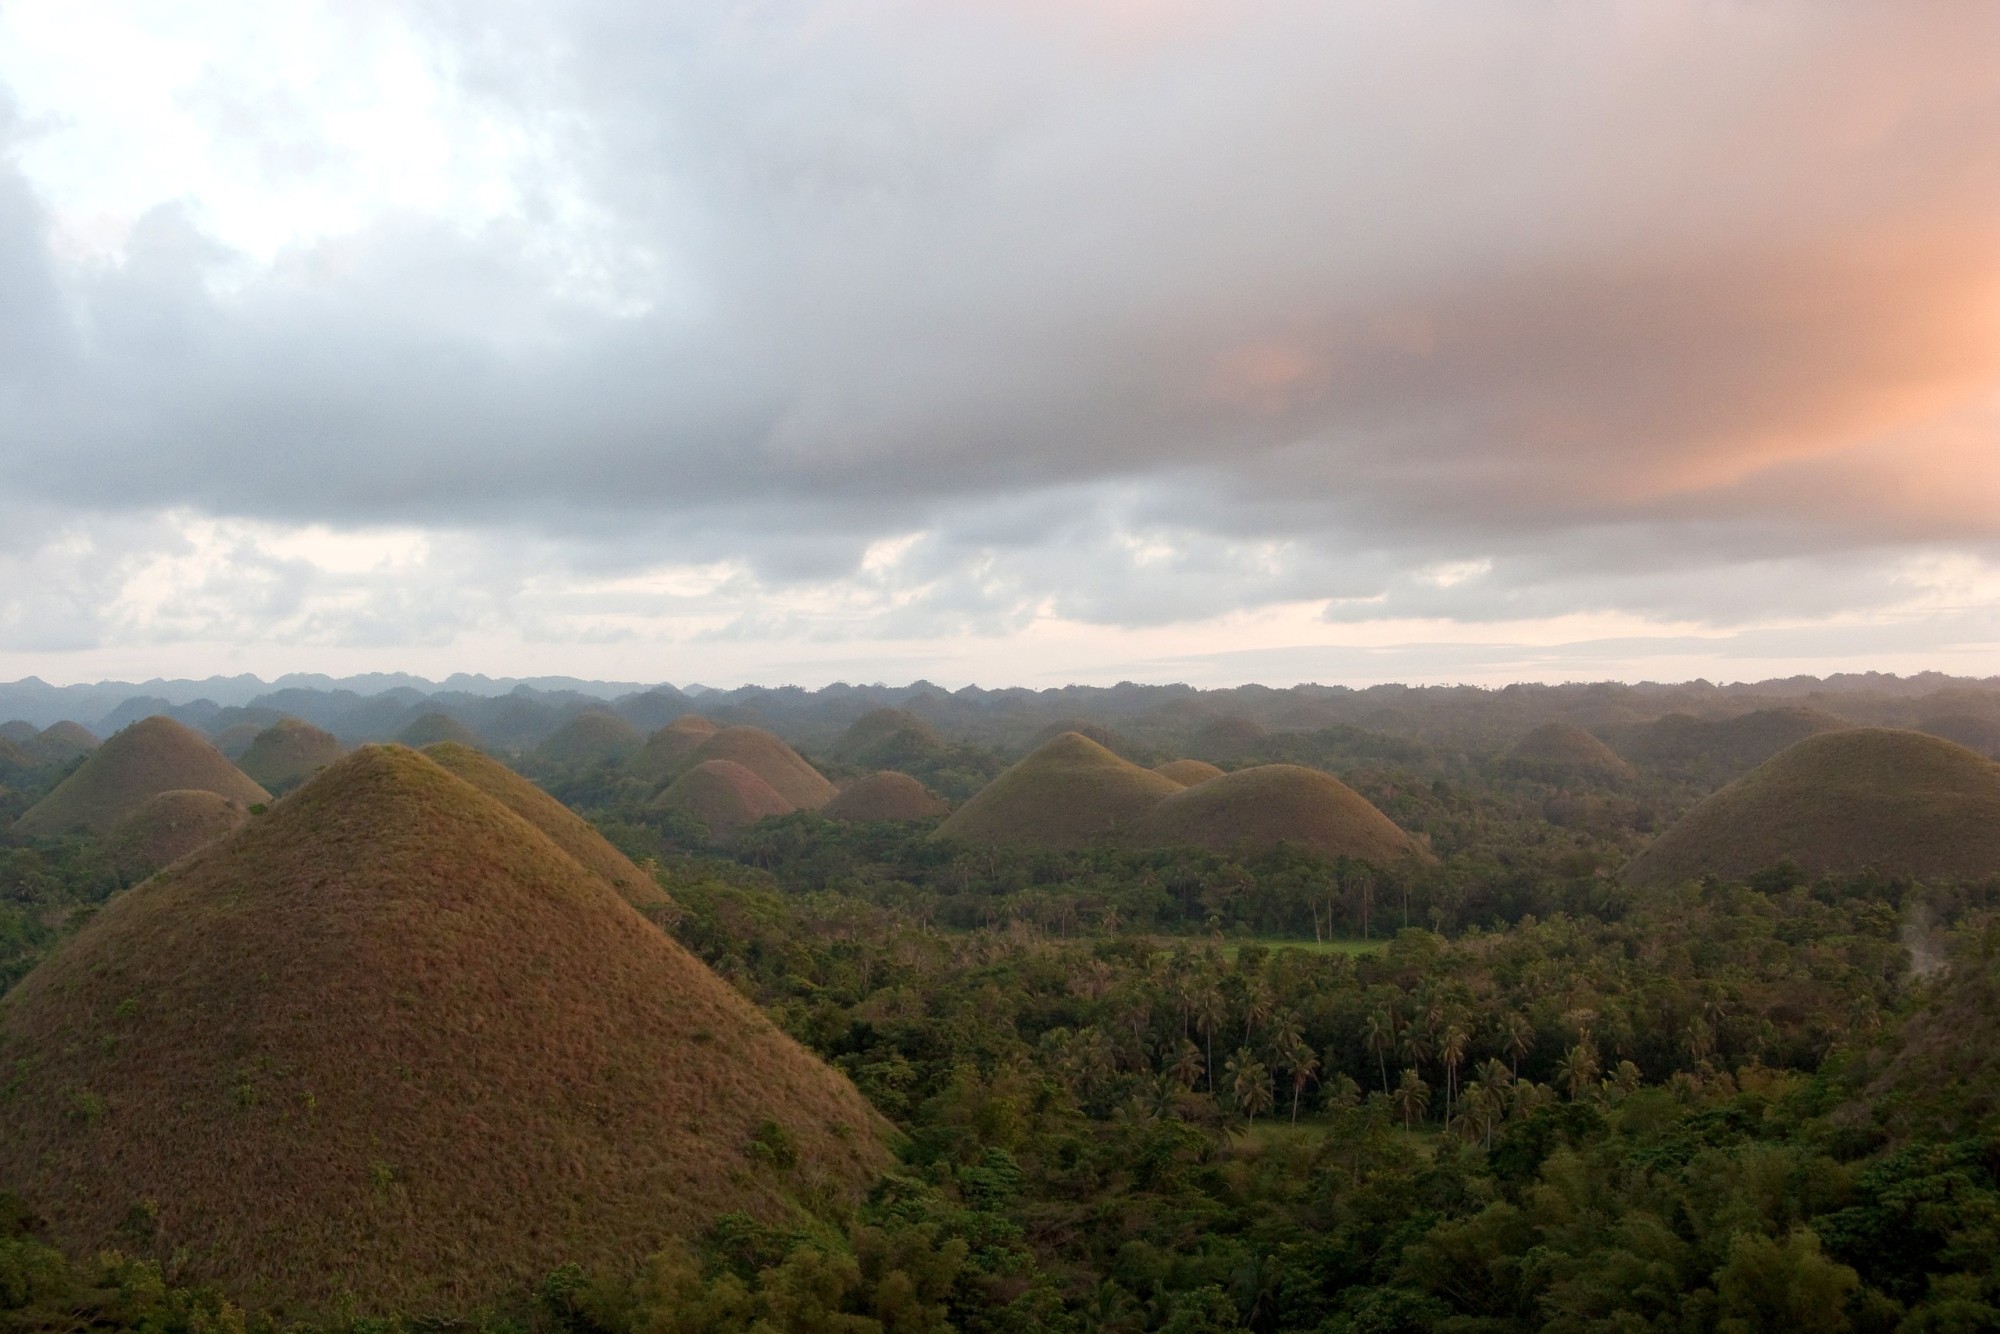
1126,315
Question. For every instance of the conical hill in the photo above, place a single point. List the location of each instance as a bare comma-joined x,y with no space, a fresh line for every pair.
288,752
1272,804
1840,803
887,795
170,826
724,796
1066,793
1559,749
59,743
670,751
771,760
389,1047
1188,772
592,737
884,737
570,831
431,728
151,756
237,738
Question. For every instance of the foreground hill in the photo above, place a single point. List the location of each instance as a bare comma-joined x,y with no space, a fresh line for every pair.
1068,792
570,831
152,756
1561,749
389,1044
884,796
1272,804
1839,803
287,753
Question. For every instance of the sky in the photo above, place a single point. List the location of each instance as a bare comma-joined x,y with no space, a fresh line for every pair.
1000,341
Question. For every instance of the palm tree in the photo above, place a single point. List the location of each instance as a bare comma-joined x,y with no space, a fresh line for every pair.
1250,1081
1416,1046
1517,1036
1413,1097
1287,1031
1452,1052
1578,1069
1305,1067
1210,1009
1186,1067
1257,1005
1379,1033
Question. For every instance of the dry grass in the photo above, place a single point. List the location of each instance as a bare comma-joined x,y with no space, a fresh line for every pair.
170,826
670,751
1273,804
1067,793
152,756
570,831
389,1040
1188,772
1098,732
592,737
771,760
1565,748
884,796
288,752
237,738
1839,803
59,743
433,728
13,757
723,795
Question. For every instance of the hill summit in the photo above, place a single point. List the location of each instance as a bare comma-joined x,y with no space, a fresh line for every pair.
1839,803
288,752
1564,748
887,795
390,1046
151,756
1272,804
1064,794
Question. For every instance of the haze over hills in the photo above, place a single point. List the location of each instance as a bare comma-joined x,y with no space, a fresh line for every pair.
481,1064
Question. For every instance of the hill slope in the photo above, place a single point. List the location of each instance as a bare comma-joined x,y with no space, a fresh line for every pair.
771,760
479,1063
568,830
151,756
59,743
288,752
1188,772
592,737
1839,803
1065,794
884,796
432,728
724,796
170,826
1273,804
1565,748
670,751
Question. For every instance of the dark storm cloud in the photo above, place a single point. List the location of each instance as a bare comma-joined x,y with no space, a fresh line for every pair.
1153,311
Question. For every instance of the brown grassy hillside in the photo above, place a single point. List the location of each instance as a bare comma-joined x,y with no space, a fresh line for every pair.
1564,748
1188,772
592,737
237,738
1065,794
19,731
13,757
151,756
1273,804
724,796
390,1041
1839,803
882,738
433,728
570,831
59,743
288,752
670,751
771,760
170,826
884,796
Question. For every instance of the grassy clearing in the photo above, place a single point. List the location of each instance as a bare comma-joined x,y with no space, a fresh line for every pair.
1231,948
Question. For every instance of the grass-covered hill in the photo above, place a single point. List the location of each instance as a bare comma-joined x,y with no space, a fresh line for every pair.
237,738
1561,749
1715,750
1843,802
887,795
669,751
594,736
724,796
1188,772
432,728
61,742
568,830
1068,792
1271,804
152,756
777,764
170,826
886,739
390,1048
287,753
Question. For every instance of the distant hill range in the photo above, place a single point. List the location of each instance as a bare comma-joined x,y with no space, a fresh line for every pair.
1698,731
